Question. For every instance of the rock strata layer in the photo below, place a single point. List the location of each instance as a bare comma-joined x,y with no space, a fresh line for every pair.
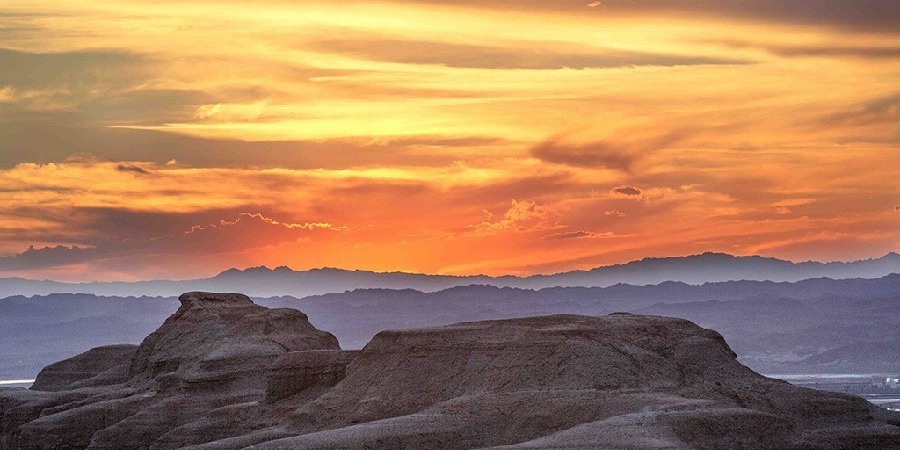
223,373
96,367
296,372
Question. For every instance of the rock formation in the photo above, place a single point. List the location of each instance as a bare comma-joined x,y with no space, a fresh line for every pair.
223,373
96,367
213,353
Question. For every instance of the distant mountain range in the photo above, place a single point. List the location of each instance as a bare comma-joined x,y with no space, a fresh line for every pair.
265,282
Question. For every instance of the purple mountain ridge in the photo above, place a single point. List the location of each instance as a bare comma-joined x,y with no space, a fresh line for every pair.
264,282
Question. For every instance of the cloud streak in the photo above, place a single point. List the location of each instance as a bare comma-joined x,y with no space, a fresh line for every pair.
628,191
246,231
593,154
137,170
532,57
853,15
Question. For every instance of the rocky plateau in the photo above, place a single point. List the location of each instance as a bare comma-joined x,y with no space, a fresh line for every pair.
224,373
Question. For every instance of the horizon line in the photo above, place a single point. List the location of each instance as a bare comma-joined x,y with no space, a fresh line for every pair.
443,275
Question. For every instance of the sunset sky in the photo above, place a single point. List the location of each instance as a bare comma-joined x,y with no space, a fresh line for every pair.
178,139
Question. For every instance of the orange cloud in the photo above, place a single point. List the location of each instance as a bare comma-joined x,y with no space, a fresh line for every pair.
627,191
522,216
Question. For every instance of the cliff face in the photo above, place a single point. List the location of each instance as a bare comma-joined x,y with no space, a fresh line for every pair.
223,373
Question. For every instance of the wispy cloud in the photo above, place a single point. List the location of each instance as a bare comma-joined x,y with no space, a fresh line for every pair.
133,169
246,231
628,191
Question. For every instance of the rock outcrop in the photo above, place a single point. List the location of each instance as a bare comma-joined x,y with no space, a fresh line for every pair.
213,352
223,373
619,381
96,367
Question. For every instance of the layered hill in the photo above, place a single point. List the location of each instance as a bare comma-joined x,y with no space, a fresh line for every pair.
264,282
223,373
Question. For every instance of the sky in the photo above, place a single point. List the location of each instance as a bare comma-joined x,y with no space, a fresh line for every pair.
164,139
